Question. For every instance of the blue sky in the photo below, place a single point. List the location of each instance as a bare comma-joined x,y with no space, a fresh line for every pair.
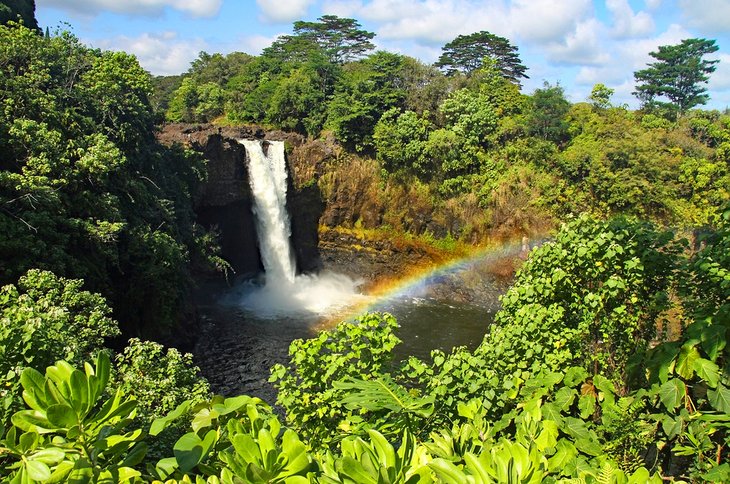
575,42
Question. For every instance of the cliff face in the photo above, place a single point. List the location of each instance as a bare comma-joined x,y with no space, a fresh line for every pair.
224,200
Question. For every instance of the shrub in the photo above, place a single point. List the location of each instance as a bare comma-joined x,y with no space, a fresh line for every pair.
43,319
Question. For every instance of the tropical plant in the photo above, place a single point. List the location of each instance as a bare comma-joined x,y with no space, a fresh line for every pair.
45,318
71,432
233,440
159,380
306,387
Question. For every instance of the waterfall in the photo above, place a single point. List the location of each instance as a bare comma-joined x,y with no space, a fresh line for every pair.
284,293
267,173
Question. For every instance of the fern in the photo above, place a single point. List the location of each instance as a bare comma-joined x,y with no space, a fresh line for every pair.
607,474
382,393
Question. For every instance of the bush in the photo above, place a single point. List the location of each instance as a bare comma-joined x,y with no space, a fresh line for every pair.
160,381
43,319
359,350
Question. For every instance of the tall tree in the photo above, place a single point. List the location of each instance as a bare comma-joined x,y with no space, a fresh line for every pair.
677,75
341,38
466,53
25,9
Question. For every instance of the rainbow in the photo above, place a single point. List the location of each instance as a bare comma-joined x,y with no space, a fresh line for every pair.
497,259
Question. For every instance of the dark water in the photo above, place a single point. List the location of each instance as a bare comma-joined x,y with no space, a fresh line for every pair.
428,324
453,308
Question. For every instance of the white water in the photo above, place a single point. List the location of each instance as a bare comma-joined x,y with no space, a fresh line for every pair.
284,292
267,172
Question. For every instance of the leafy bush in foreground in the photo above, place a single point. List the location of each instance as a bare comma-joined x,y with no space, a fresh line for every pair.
352,350
45,318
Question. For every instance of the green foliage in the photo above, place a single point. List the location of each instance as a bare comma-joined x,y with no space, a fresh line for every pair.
366,90
306,388
400,143
70,433
707,285
677,75
471,115
605,282
43,319
600,96
591,297
86,190
195,102
299,103
340,38
376,462
466,53
159,381
234,440
634,168
546,118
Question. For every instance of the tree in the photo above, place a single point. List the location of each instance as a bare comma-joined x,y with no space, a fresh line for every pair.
86,191
549,107
340,38
677,75
467,53
400,142
366,90
10,10
600,96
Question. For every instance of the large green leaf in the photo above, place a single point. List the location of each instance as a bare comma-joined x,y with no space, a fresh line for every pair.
62,416
686,360
719,473
190,450
80,398
548,435
447,471
576,428
708,371
50,456
33,388
383,393
672,393
719,398
353,469
32,421
37,470
161,423
385,451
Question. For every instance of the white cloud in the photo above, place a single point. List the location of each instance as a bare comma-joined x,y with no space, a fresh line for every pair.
547,20
709,16
427,21
278,11
653,4
160,54
581,47
626,23
439,21
627,57
720,79
195,8
254,44
635,53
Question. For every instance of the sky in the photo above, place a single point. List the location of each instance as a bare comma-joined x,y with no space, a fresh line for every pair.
576,43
